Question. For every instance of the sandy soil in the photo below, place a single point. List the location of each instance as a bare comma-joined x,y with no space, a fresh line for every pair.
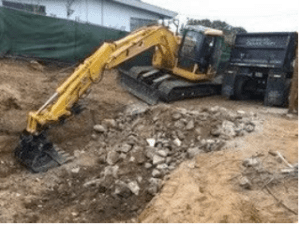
204,189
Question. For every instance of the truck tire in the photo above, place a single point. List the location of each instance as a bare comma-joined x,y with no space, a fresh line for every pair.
241,89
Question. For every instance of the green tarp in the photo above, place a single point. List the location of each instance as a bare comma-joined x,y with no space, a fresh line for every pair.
31,35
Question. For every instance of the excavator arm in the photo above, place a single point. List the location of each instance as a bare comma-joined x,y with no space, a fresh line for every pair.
35,151
108,56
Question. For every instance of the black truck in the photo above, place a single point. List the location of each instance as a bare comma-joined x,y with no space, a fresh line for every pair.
261,64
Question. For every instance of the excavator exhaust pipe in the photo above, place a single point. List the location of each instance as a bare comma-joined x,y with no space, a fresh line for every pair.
38,154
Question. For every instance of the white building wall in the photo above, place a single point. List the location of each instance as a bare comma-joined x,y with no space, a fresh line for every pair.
118,16
100,12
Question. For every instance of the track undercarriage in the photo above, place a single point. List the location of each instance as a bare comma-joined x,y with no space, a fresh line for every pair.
153,85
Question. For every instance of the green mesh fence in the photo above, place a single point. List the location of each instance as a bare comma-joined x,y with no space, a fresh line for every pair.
31,35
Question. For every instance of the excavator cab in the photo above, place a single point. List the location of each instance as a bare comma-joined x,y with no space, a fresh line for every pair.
197,49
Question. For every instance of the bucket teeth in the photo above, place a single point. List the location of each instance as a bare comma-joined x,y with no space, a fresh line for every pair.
38,154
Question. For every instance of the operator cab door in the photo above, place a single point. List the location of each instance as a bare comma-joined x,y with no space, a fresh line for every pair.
195,50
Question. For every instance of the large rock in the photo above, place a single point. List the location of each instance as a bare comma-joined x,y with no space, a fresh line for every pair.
111,123
155,185
228,128
176,116
245,183
180,135
249,127
122,190
148,165
112,157
192,152
136,108
163,166
190,125
100,129
102,159
111,171
150,152
156,173
139,156
158,160
251,162
125,148
162,153
179,124
134,187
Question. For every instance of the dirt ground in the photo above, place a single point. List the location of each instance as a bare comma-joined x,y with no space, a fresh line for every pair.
203,189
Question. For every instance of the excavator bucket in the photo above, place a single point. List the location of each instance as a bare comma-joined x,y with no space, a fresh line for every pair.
38,154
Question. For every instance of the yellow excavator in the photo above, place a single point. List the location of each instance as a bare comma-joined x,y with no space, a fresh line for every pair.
181,67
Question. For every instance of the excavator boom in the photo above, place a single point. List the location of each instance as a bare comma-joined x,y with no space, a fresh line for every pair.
34,150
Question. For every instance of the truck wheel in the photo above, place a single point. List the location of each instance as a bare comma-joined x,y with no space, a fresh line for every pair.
243,89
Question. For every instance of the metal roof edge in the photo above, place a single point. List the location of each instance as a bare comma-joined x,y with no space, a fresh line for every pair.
148,7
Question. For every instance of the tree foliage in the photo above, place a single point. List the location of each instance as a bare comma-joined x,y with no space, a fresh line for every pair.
217,24
229,31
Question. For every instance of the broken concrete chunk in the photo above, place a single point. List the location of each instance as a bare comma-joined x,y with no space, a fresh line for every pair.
148,165
122,190
137,108
169,160
125,148
158,160
176,116
179,124
94,136
151,142
162,153
190,125
156,173
192,152
75,170
228,128
102,159
36,65
112,157
111,123
250,162
150,152
214,109
249,128
177,142
245,183
162,166
180,135
134,187
100,129
111,171
139,156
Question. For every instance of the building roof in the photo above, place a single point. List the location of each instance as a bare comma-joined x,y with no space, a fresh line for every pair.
164,13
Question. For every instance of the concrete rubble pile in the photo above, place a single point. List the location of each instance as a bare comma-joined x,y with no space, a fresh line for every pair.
157,139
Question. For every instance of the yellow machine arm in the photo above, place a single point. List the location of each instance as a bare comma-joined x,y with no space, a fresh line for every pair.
108,56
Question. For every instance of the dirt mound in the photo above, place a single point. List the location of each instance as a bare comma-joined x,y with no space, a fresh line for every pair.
132,154
209,190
